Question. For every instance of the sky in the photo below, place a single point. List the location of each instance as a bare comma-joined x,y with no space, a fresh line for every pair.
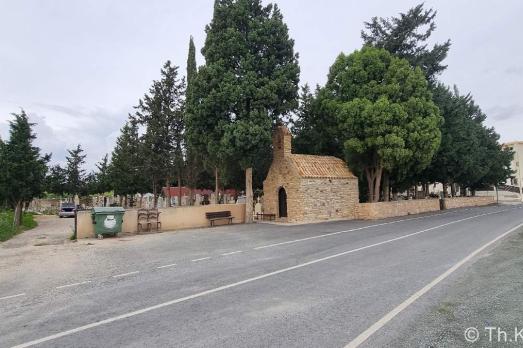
77,67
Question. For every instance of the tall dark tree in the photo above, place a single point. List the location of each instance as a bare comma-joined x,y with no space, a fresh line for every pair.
126,172
249,83
75,171
315,127
56,180
470,154
406,36
193,159
161,112
102,176
23,167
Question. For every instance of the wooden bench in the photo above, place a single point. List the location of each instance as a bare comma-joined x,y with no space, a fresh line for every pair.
219,215
269,216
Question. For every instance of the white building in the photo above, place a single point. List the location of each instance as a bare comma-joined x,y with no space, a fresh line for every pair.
516,179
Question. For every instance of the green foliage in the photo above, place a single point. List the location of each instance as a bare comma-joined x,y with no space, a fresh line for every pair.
7,230
75,173
102,180
56,181
385,113
248,84
470,154
406,36
161,112
126,169
23,168
315,128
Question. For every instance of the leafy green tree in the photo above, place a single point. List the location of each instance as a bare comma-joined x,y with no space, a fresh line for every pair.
249,82
56,180
161,112
406,36
385,112
23,167
75,173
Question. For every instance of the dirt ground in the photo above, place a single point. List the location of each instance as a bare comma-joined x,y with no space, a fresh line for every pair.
51,230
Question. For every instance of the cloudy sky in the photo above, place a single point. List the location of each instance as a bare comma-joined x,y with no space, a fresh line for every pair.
77,66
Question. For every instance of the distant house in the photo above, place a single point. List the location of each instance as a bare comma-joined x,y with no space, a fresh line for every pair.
516,179
307,187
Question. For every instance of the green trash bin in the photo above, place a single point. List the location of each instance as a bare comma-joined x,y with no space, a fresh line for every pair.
107,220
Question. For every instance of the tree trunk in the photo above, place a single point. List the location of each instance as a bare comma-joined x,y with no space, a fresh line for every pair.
191,194
248,196
452,190
17,216
377,184
386,187
180,188
445,190
168,192
370,184
216,185
374,183
155,196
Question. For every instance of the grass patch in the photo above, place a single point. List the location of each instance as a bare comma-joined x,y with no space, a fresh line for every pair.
6,224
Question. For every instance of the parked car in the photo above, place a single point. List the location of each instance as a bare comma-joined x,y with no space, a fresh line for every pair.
66,210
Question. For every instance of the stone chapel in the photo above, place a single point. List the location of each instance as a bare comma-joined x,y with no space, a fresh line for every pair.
307,187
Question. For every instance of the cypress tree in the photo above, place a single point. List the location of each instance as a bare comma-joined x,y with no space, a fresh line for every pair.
249,83
23,168
75,172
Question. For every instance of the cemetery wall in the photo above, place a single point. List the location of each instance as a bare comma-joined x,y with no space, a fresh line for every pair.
382,210
171,218
460,202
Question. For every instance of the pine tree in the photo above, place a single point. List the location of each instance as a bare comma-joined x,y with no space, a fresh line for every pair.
249,83
125,172
161,111
406,36
23,168
56,180
75,172
102,176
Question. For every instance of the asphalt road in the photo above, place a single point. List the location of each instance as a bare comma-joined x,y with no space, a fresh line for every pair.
318,285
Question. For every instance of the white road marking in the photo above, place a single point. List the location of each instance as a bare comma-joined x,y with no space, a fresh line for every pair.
12,296
389,316
125,274
232,285
165,266
232,252
74,284
203,258
346,231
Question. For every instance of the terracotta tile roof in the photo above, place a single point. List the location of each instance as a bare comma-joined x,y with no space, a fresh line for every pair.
310,166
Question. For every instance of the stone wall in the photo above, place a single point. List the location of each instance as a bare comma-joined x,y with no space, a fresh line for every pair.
329,198
171,218
381,210
460,202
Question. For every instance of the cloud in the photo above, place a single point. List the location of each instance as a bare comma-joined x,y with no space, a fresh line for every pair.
514,70
505,112
62,127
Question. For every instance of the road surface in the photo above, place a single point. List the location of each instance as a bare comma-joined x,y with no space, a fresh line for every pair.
333,284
